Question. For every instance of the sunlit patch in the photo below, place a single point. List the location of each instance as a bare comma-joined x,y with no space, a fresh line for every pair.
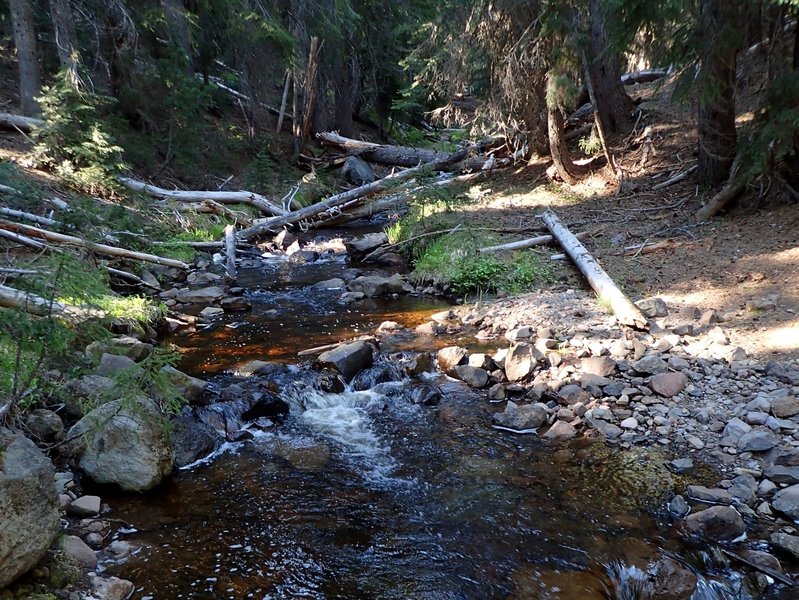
783,339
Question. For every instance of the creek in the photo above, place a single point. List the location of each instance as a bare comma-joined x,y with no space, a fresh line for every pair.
367,495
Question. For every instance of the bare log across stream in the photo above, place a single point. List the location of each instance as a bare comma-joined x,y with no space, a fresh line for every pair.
348,199
626,312
260,202
60,238
400,156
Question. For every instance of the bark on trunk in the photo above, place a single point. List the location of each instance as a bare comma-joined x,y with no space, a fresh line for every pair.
346,92
65,40
717,136
566,169
613,106
400,156
178,25
30,82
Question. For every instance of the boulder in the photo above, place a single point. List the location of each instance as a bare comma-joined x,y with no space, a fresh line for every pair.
560,431
758,439
786,543
112,364
521,417
673,581
783,372
785,407
653,307
235,304
207,295
330,284
29,519
45,425
472,376
717,523
609,430
88,390
126,345
348,359
598,365
650,365
188,387
357,171
211,312
372,286
85,506
668,384
786,501
521,361
780,474
112,588
450,357
77,550
124,443
192,440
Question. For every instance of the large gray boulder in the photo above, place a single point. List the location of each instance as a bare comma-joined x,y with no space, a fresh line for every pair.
29,520
356,170
124,443
348,359
717,523
786,501
373,286
521,417
521,361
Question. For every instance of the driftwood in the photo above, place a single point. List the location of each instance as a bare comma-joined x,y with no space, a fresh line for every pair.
262,203
104,249
214,208
42,307
675,178
626,312
26,124
400,156
649,248
541,240
347,199
230,250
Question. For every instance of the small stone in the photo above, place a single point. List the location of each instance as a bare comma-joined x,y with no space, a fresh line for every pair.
668,384
450,357
521,417
709,495
112,588
560,431
330,284
678,506
708,318
430,328
471,376
681,465
609,430
653,307
497,392
629,423
694,442
572,394
521,361
212,312
85,506
650,365
786,501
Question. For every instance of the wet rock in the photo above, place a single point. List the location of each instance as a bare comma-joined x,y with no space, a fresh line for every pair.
681,465
112,588
497,392
786,501
192,440
572,394
482,361
421,363
786,543
382,372
211,312
348,359
85,506
44,425
709,495
76,549
598,365
521,417
125,345
29,519
650,365
521,361
123,443
560,431
471,376
330,284
430,328
330,382
450,357
609,430
235,304
112,364
784,407
367,243
425,393
207,295
673,581
717,523
372,286
284,239
653,307
679,507
762,559
758,439
188,387
780,474
668,384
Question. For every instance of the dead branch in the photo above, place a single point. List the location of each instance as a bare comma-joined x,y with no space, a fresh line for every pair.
729,192
401,156
132,277
18,214
676,178
626,312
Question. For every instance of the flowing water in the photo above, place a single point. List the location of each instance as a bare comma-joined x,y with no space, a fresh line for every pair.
366,495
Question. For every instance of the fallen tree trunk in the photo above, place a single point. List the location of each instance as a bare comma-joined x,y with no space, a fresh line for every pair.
18,214
644,76
42,307
626,312
400,156
243,197
347,199
676,178
26,124
541,240
230,250
60,238
132,277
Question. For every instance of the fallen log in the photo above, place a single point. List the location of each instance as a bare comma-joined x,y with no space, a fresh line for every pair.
626,312
132,278
347,199
42,307
400,156
675,178
18,214
260,202
230,250
18,122
541,240
60,238
643,76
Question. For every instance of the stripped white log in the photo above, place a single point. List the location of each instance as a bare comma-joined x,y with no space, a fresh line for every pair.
22,239
676,178
540,240
42,307
626,312
18,214
26,124
244,197
60,238
230,250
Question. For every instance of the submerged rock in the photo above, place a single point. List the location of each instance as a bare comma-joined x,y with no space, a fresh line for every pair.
29,520
717,523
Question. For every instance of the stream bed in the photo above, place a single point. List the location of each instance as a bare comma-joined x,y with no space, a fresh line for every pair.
366,495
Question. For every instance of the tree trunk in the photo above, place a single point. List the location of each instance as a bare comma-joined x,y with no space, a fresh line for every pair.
613,106
401,156
717,137
347,86
30,82
66,41
775,15
567,170
178,25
